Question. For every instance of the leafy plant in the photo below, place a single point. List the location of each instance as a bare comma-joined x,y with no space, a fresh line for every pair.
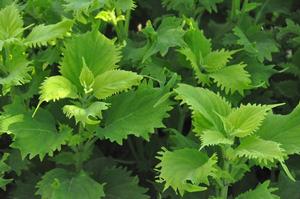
122,99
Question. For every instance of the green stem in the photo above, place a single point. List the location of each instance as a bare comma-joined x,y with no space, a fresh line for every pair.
224,183
127,21
258,16
235,4
224,188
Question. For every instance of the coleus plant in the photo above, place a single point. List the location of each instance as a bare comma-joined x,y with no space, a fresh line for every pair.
94,107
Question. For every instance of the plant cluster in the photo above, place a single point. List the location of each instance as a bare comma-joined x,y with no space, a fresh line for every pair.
166,99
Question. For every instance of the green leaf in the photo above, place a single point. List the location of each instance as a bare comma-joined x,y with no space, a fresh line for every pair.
169,34
183,7
255,41
264,151
120,184
212,64
134,113
90,115
57,87
246,119
86,78
185,169
212,137
16,69
232,78
25,188
76,5
42,34
16,163
3,169
261,191
288,188
99,53
205,105
124,5
210,5
283,129
12,113
38,136
63,184
217,60
11,24
194,60
115,81
193,38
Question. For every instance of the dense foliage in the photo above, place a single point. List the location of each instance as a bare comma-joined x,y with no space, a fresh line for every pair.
124,99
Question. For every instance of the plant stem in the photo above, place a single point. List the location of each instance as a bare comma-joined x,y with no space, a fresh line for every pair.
127,21
224,188
226,167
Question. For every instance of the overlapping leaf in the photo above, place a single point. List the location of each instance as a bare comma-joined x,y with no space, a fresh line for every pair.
213,64
90,115
114,81
38,136
11,24
263,151
120,184
134,113
184,169
205,104
160,40
61,184
92,48
42,34
261,191
283,129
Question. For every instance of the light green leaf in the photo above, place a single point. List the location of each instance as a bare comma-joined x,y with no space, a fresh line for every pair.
212,137
57,87
217,60
16,68
110,17
134,113
11,24
261,191
42,34
264,151
114,81
232,78
120,184
205,106
283,129
62,184
184,169
193,38
38,136
86,78
90,115
194,60
99,53
246,119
